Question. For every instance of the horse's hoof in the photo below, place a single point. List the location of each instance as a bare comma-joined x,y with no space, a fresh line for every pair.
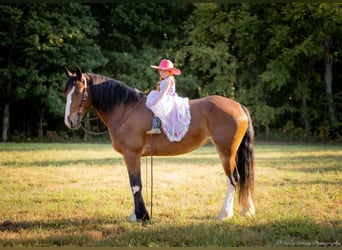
132,218
224,215
248,212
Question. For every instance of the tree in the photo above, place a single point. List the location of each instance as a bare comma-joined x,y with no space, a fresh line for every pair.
273,56
226,52
298,67
36,41
135,35
206,51
281,60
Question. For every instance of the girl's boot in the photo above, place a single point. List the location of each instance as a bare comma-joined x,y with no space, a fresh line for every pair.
155,126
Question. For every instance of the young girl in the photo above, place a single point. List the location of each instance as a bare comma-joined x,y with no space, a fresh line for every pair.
171,110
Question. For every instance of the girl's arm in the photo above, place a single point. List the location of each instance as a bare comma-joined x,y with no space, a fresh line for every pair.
164,90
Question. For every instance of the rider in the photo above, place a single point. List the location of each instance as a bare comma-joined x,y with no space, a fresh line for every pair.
165,104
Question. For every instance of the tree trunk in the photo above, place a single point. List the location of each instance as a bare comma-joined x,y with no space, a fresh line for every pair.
41,113
306,118
5,122
328,77
267,131
6,114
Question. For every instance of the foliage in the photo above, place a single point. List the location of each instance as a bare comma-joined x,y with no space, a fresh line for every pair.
37,41
270,57
135,35
273,54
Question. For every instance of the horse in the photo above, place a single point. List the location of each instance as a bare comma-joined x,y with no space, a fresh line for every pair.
122,109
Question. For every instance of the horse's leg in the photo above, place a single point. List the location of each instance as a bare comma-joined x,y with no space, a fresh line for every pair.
139,209
228,203
228,163
227,148
248,208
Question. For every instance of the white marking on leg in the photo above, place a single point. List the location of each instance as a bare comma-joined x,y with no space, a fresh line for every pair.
251,205
228,203
67,107
248,208
135,189
132,217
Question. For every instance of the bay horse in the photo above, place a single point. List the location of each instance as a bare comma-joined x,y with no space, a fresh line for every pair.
122,109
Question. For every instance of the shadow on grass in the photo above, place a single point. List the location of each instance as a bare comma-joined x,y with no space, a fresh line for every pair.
198,232
110,161
22,147
62,163
294,161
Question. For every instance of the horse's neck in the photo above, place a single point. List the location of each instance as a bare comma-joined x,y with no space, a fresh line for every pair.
119,114
112,117
103,116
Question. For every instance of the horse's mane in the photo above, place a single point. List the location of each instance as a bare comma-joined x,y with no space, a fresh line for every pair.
107,93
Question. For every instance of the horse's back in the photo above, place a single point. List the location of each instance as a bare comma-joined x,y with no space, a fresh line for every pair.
214,117
220,117
216,108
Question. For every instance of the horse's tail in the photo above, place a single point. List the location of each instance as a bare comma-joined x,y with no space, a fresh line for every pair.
245,162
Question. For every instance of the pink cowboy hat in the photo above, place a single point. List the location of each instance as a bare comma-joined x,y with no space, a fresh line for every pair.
167,65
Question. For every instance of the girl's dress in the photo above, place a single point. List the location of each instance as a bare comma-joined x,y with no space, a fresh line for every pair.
172,110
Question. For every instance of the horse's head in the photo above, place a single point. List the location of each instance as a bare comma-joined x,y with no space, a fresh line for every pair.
77,98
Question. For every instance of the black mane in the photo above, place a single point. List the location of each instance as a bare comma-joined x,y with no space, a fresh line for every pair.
107,93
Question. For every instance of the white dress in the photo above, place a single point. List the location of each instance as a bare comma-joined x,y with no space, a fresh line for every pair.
172,110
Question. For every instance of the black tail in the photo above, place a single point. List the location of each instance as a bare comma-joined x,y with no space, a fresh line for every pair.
245,161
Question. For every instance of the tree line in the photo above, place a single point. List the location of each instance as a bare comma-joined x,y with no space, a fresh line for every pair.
281,60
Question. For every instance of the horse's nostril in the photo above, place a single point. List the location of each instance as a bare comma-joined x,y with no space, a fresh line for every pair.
70,122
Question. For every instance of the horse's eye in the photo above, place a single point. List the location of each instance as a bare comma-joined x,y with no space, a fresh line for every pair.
77,89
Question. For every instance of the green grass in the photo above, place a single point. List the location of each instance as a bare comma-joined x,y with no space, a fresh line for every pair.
78,194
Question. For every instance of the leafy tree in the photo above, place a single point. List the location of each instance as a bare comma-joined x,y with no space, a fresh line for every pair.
227,52
135,35
36,41
302,66
206,53
271,56
282,60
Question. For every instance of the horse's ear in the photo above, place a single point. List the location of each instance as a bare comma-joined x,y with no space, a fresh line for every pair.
78,72
67,71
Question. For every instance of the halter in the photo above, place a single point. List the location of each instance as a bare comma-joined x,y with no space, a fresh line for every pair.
84,95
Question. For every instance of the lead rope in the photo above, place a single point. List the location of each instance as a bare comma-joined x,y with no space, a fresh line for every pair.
146,178
151,184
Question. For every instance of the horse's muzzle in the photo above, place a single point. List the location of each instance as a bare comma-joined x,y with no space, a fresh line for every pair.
73,122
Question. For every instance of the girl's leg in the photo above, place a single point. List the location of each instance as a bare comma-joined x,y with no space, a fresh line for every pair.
155,126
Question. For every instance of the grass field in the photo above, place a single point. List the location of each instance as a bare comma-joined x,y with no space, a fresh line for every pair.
78,194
